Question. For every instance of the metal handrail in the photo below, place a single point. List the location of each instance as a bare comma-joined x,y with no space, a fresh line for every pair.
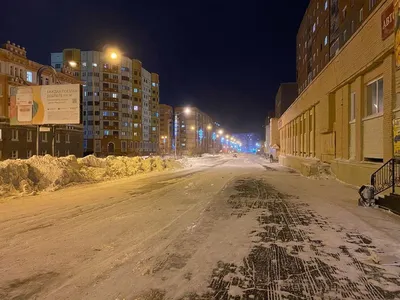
386,177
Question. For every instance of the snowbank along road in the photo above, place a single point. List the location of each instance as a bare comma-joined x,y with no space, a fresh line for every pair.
223,228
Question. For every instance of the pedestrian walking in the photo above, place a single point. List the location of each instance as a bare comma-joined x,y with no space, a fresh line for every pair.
271,158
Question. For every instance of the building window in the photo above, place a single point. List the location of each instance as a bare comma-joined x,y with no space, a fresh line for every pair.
28,153
361,14
136,125
153,128
135,134
14,134
374,97
136,107
94,64
67,138
352,26
372,4
326,40
67,152
344,12
29,136
326,5
44,137
29,76
353,107
314,27
135,90
58,138
344,35
14,154
114,95
44,152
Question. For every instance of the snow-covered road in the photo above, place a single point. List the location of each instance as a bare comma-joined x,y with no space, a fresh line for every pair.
223,228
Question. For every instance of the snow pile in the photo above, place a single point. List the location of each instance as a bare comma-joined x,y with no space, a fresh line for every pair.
47,173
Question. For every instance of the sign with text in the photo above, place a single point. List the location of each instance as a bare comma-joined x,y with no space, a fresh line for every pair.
45,104
388,22
396,137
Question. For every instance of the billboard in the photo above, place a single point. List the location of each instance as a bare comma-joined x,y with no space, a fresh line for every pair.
45,105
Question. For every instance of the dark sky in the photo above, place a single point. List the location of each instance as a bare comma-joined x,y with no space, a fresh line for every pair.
225,57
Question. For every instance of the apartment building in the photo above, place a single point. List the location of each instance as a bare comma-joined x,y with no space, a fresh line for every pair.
166,128
346,115
194,131
326,27
20,141
155,112
117,95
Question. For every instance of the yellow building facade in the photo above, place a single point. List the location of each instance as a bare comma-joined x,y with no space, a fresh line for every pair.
345,116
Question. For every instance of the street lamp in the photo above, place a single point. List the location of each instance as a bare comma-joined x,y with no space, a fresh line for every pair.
186,112
73,64
220,132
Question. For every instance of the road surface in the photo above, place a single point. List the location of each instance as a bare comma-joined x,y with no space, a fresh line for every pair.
225,228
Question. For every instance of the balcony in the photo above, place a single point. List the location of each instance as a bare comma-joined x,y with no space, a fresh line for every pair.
110,80
110,99
110,70
109,89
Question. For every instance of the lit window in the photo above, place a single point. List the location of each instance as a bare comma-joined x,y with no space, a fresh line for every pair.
29,76
135,134
95,65
374,97
84,64
153,84
183,126
136,125
136,107
106,132
326,5
153,128
326,40
114,95
135,90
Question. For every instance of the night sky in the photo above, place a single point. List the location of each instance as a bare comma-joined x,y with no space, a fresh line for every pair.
225,57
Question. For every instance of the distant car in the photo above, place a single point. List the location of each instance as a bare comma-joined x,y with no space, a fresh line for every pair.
235,155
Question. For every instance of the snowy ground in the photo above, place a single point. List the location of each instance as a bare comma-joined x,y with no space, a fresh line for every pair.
223,228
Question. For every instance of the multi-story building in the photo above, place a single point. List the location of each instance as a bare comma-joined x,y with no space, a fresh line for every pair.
117,95
155,112
348,115
166,128
285,96
20,141
326,27
194,131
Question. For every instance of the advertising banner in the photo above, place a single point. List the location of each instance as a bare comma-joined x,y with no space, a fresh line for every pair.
45,105
396,137
397,32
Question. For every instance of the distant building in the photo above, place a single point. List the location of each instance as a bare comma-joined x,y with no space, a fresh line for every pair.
251,142
267,143
166,128
20,141
285,96
194,131
120,101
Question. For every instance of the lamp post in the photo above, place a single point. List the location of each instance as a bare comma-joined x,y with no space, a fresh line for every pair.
186,111
39,81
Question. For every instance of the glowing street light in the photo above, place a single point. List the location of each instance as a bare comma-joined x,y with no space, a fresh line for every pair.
192,128
187,110
72,64
113,55
227,136
220,132
209,127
